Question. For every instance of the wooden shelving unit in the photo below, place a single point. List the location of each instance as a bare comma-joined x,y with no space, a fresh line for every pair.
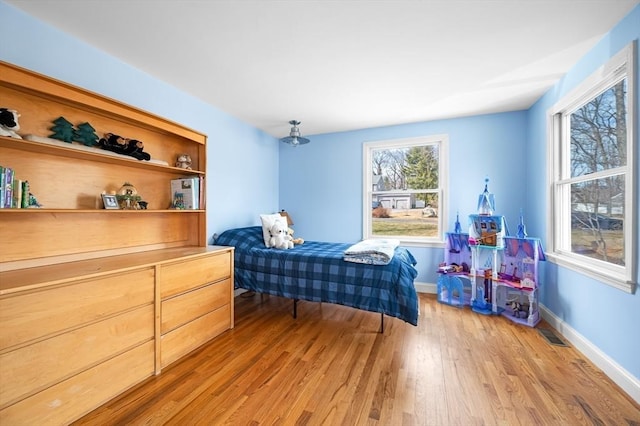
84,286
68,181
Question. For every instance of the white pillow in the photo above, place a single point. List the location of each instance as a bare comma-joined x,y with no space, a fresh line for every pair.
268,221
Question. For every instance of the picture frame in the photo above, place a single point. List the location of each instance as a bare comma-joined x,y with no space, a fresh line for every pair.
110,202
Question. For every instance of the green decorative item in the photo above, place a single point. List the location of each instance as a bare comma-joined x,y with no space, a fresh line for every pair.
33,203
62,130
86,134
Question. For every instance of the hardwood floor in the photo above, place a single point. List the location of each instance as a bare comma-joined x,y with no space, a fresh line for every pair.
330,366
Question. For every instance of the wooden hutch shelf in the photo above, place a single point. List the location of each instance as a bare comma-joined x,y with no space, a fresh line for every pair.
94,301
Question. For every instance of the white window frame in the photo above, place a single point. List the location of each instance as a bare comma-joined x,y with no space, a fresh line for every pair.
442,141
622,277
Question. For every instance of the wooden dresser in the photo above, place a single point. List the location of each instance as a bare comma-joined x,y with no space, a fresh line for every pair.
94,301
196,306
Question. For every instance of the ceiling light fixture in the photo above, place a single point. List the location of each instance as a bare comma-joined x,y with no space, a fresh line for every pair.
294,137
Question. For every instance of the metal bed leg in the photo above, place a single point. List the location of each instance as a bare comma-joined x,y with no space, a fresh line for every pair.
381,322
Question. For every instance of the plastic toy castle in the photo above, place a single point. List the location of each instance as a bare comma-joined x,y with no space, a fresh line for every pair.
489,270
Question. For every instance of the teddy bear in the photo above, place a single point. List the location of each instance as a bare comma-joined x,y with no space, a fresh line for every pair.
294,240
113,143
120,145
280,238
135,149
183,161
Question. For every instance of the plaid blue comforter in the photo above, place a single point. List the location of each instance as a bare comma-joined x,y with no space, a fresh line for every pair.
315,271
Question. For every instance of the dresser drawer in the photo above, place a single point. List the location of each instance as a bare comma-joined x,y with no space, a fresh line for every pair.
69,400
179,277
184,339
30,316
71,352
188,306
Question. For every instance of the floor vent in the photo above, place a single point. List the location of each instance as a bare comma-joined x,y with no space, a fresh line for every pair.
551,337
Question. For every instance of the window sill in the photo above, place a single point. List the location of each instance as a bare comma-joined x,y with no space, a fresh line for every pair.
430,244
585,268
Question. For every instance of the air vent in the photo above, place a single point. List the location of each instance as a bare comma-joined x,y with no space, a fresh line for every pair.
551,337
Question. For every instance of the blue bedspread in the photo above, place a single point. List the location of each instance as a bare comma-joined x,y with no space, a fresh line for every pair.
315,271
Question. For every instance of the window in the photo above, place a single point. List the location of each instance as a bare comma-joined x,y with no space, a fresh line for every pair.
405,188
591,174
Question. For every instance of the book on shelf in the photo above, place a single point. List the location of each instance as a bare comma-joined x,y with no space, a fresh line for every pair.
25,194
202,192
185,193
2,187
14,192
7,188
16,201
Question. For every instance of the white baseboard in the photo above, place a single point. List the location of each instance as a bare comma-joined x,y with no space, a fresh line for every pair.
426,288
624,379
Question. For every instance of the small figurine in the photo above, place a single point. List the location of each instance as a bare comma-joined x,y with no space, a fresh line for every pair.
519,310
488,283
9,123
178,201
184,161
33,203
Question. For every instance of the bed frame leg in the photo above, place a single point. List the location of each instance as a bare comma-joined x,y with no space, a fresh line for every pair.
295,308
381,322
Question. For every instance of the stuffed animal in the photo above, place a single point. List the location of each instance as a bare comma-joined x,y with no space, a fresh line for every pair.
120,145
295,240
113,143
134,148
9,123
280,238
183,161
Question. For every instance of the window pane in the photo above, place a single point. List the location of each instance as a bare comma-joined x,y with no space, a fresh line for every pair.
597,219
405,168
404,189
405,215
599,132
592,173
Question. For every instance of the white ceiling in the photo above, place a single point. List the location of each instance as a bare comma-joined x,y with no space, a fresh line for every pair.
344,64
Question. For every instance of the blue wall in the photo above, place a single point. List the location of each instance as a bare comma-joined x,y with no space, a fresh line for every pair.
242,162
320,184
606,317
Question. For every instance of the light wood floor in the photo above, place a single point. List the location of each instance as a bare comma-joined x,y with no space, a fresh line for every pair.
330,366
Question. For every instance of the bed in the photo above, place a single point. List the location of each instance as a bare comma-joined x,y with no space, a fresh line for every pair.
317,272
